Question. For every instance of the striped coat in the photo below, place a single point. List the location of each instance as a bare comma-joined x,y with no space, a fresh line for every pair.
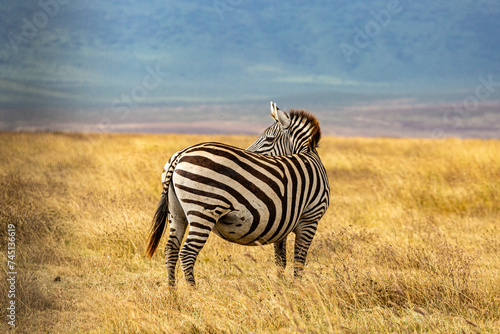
244,197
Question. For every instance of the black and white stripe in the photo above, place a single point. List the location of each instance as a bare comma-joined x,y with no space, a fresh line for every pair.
245,197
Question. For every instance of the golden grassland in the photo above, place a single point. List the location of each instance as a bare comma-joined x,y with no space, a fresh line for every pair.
410,243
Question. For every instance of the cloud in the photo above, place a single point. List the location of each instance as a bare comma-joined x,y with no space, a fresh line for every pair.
16,88
260,69
326,80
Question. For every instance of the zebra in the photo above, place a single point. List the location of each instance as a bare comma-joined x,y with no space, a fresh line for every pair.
244,197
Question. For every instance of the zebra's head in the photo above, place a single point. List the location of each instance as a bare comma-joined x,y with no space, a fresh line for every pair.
290,134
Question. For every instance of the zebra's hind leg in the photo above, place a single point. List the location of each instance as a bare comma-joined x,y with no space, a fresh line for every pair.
177,230
280,255
178,224
303,238
200,226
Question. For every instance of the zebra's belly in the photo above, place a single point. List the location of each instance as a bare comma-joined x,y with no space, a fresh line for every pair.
235,227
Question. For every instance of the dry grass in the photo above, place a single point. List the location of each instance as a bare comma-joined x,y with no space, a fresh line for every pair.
409,245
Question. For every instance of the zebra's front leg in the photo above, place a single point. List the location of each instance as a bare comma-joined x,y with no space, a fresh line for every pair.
280,255
303,238
177,230
200,226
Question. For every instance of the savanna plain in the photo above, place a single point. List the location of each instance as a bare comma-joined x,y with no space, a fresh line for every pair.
410,243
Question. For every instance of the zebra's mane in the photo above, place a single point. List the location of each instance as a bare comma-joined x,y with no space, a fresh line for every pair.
312,122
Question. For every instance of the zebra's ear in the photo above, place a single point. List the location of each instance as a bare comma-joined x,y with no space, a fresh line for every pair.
279,116
274,114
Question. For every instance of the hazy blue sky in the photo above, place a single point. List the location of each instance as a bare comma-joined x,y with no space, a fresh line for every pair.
365,67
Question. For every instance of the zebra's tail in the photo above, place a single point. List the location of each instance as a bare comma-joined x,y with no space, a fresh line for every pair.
161,213
158,227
